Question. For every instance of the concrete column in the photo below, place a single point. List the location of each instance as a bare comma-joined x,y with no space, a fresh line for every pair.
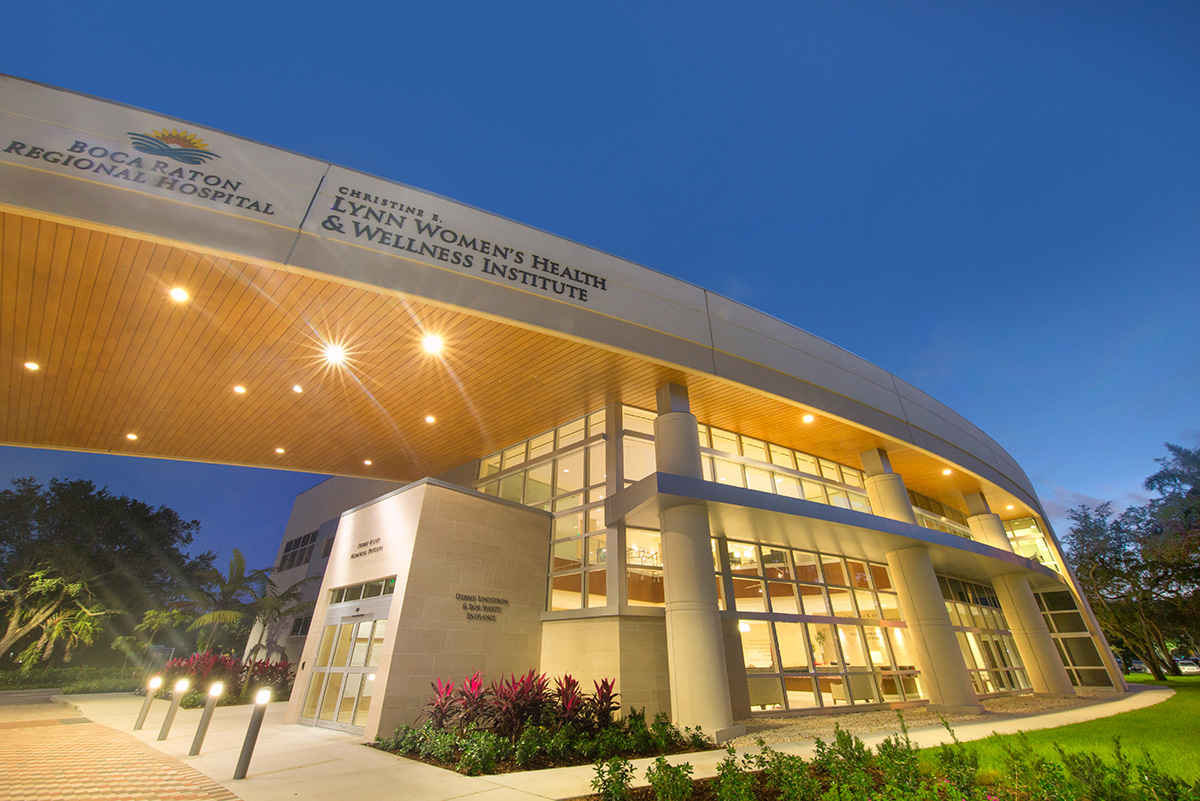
935,648
1034,643
885,489
695,647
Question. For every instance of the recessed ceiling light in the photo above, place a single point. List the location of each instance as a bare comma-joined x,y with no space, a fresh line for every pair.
31,365
429,418
946,472
297,388
279,450
334,354
808,418
1010,506
131,436
179,295
239,389
367,462
432,344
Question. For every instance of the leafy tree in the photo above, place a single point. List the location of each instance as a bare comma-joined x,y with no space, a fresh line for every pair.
270,610
83,550
57,611
1141,568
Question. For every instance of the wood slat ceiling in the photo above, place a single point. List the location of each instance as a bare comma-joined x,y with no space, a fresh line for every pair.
118,356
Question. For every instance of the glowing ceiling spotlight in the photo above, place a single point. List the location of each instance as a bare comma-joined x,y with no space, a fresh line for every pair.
334,354
432,344
808,418
179,295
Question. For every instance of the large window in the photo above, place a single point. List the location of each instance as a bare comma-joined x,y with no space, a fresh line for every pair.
741,461
817,629
936,515
1028,540
984,637
1076,648
563,471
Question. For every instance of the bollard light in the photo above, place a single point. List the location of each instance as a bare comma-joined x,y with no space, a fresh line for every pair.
214,692
155,683
256,718
176,696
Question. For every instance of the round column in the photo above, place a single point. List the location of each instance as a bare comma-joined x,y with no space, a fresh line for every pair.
695,644
1035,645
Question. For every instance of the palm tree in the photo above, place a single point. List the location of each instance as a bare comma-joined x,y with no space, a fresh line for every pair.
229,600
270,610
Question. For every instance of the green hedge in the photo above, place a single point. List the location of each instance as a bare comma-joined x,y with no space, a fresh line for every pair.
73,679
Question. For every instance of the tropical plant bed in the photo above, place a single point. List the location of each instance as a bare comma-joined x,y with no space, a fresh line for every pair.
521,723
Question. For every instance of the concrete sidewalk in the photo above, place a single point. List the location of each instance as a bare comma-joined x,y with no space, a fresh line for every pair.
302,762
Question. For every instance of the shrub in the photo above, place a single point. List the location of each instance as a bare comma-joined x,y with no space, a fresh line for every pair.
848,762
897,760
437,744
533,743
276,675
788,775
613,778
733,782
481,750
202,670
670,782
958,766
666,736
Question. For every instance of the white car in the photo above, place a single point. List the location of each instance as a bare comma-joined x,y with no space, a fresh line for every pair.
1187,666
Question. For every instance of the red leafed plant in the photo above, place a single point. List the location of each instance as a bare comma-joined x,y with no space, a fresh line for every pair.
473,702
568,700
518,701
276,675
440,709
602,705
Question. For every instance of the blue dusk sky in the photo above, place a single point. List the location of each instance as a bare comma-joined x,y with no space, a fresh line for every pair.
998,202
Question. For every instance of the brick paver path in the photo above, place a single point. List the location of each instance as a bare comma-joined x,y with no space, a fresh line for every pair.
48,752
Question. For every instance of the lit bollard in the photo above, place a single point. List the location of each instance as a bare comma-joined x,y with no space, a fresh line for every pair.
155,683
176,696
214,692
256,719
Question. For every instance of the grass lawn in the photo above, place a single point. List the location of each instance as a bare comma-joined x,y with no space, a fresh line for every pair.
1169,731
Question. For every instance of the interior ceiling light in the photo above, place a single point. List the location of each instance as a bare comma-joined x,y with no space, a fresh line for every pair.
334,354
179,295
946,472
279,450
429,418
239,389
808,418
432,344
31,365
131,436
297,388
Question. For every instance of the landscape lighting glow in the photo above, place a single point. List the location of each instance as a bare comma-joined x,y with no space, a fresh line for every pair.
181,686
264,696
216,689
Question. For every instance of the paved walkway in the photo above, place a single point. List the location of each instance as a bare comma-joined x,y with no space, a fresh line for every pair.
86,751
48,751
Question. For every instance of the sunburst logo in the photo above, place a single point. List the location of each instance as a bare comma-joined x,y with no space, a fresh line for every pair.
173,144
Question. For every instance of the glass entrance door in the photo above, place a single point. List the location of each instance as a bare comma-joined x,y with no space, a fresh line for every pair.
342,684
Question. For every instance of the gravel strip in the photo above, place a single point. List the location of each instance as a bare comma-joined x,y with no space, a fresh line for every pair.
809,727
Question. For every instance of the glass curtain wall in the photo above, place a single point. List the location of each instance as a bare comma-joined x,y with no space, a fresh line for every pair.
563,471
1076,648
817,629
1029,541
984,637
